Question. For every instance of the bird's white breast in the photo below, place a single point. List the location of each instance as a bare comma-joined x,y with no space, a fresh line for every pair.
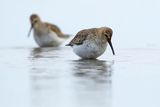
90,49
48,39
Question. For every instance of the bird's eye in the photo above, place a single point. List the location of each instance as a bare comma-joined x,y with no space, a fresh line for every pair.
35,21
107,35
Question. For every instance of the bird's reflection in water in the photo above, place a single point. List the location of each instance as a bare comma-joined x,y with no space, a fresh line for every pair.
43,74
92,83
45,52
98,70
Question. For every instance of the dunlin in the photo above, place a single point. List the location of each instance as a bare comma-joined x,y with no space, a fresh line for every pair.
91,43
46,34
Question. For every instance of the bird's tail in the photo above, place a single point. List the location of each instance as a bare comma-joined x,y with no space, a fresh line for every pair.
68,44
67,35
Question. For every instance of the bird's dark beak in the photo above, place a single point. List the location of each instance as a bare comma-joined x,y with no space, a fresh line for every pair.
29,33
110,44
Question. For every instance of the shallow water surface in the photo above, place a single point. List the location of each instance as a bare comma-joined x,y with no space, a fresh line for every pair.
56,77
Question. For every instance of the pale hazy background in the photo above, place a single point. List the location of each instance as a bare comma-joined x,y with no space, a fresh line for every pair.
135,22
55,77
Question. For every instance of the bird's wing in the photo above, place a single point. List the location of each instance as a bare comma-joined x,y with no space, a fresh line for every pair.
79,38
55,29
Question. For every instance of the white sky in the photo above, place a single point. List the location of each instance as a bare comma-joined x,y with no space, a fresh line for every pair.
135,23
